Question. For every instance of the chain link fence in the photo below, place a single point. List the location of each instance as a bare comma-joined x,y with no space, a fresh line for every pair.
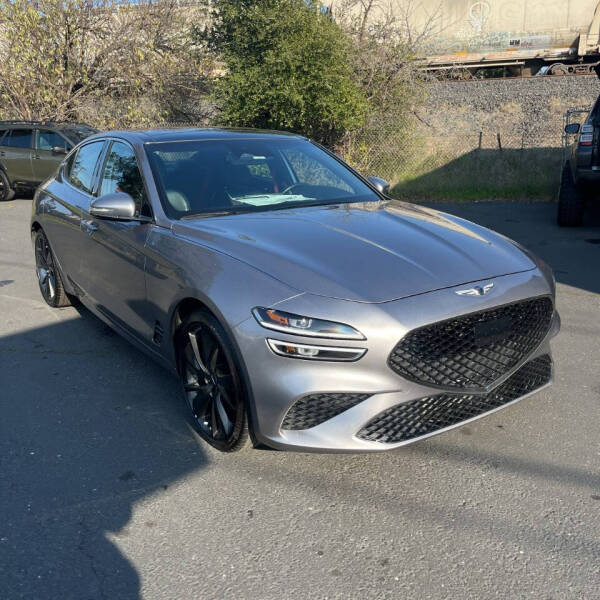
478,164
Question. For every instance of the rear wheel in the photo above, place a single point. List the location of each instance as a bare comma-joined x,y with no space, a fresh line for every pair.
571,201
6,192
49,280
211,383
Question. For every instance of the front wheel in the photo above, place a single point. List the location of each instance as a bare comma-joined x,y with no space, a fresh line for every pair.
211,383
571,201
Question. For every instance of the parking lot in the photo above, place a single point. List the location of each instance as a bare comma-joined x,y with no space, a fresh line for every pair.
106,493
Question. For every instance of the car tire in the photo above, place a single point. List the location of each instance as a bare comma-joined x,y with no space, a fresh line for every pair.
48,274
6,192
212,384
571,201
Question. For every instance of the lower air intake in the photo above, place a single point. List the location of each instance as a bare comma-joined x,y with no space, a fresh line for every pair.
315,409
427,415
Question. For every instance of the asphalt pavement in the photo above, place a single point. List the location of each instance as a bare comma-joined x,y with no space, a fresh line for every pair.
105,493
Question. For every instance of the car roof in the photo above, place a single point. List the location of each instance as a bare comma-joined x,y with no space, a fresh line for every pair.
61,126
147,136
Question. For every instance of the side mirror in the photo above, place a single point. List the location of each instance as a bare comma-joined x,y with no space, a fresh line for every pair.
380,184
59,150
572,128
119,206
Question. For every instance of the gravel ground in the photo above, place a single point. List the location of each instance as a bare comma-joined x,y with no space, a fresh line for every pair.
106,494
535,105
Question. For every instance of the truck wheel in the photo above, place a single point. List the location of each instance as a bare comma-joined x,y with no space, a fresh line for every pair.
6,193
571,201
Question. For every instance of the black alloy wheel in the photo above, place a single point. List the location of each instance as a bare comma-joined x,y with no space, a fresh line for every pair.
49,279
211,382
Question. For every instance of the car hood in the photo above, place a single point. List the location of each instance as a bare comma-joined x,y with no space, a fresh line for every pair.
367,252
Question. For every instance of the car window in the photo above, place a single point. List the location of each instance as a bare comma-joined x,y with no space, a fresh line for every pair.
2,132
81,173
121,174
46,140
250,174
19,138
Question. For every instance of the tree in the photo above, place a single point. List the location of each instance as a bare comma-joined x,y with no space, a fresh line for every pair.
108,62
286,67
384,41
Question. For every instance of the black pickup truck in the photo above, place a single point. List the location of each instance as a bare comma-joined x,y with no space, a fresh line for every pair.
581,171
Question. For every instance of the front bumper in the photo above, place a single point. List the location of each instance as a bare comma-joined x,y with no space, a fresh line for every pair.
369,386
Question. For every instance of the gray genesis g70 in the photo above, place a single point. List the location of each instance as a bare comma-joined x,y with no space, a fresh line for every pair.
300,307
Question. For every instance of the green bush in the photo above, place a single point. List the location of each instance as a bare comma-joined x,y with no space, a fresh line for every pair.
286,66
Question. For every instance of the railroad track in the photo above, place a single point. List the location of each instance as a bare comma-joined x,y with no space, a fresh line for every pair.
486,79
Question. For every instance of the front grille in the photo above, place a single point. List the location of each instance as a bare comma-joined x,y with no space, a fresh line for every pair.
426,415
315,409
473,351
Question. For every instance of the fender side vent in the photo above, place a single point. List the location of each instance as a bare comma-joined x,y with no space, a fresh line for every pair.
159,332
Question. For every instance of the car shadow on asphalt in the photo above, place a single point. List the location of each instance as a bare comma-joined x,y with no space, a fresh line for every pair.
573,253
90,427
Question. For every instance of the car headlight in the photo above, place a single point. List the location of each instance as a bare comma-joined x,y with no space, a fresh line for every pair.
300,325
329,353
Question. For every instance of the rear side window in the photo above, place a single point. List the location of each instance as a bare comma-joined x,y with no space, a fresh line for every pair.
2,132
81,171
18,138
46,140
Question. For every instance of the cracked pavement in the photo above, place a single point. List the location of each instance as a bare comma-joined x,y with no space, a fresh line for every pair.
105,493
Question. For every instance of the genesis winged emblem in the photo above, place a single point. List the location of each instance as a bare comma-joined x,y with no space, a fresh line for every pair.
476,291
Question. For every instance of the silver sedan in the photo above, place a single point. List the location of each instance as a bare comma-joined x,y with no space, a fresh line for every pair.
300,307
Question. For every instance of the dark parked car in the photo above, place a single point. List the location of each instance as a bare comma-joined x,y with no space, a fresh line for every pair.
581,171
295,301
30,152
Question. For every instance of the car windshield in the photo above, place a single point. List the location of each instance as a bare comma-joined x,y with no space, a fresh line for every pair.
257,174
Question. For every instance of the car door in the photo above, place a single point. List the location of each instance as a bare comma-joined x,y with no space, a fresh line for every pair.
16,153
113,260
68,197
49,151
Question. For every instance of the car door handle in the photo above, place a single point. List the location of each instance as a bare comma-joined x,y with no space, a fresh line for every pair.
89,226
36,157
2,153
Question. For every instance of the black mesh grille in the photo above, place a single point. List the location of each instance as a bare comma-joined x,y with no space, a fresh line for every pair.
313,410
474,351
426,415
